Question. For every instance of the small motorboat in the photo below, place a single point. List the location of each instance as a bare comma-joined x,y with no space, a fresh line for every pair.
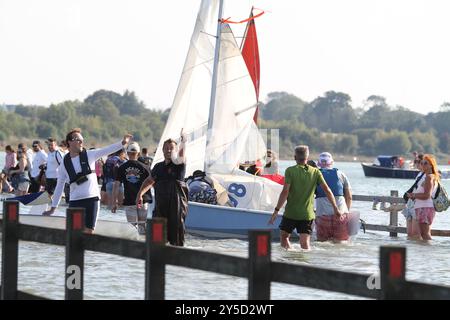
390,167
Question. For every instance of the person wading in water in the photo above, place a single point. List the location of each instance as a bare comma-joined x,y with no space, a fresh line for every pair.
76,170
171,192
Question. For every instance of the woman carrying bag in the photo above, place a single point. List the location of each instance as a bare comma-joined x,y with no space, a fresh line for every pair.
422,196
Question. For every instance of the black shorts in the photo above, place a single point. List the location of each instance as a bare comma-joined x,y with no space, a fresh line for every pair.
91,207
302,226
50,185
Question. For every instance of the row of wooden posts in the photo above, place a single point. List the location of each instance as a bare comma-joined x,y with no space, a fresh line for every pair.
258,268
396,205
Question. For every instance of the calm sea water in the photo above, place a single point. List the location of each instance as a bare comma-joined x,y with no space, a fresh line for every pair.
41,267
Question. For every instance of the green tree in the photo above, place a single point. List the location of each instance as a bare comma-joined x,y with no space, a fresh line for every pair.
45,130
333,112
394,142
281,106
424,141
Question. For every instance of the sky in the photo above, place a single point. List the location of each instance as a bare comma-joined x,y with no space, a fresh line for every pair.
57,50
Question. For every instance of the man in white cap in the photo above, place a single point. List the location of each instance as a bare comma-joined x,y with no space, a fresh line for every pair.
327,226
132,174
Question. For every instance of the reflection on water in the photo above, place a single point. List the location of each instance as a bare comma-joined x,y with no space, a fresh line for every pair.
41,267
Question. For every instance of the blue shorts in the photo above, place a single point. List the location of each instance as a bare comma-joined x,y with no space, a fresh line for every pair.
409,211
91,206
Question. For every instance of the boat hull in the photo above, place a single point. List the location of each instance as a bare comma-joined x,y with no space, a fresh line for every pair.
103,227
371,170
227,222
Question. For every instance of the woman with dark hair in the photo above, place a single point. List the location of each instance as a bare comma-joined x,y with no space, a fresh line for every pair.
21,179
10,159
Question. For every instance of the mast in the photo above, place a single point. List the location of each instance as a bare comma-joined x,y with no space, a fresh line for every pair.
212,101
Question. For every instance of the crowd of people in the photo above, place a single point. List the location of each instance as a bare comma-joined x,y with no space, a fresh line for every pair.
317,194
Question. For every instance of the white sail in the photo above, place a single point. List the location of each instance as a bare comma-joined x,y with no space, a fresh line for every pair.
234,108
235,137
255,146
190,109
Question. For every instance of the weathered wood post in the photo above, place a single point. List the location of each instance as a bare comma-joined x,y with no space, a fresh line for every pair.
10,250
74,254
393,221
155,266
392,272
259,265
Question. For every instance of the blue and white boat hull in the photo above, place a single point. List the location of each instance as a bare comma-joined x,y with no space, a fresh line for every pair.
228,222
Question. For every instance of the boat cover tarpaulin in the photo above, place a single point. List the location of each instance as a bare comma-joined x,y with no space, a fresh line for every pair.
33,199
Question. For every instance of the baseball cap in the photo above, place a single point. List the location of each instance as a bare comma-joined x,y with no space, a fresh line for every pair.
325,157
133,147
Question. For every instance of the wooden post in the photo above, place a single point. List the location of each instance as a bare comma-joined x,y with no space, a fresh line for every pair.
155,267
10,250
74,254
259,265
393,221
392,272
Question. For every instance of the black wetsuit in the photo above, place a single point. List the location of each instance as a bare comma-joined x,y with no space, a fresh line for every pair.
171,196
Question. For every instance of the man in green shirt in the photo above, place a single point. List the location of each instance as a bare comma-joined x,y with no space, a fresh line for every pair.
300,185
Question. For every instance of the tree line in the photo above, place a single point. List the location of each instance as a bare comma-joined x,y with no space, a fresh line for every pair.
329,122
103,117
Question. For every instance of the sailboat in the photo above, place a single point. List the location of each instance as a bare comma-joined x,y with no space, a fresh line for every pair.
215,105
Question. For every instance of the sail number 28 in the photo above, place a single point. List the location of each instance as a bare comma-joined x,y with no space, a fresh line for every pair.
238,190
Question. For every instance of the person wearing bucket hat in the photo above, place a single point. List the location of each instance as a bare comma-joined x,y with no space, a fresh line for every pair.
328,227
132,174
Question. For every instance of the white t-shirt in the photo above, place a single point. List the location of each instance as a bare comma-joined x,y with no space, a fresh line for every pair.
39,158
54,160
88,189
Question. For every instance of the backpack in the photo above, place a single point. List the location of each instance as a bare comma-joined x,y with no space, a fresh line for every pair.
440,199
201,188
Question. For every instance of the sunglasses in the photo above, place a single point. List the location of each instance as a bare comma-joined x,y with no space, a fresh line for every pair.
35,146
423,163
77,140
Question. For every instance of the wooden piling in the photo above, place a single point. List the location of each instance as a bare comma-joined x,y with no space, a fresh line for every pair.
393,220
155,266
74,275
259,265
10,250
393,273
